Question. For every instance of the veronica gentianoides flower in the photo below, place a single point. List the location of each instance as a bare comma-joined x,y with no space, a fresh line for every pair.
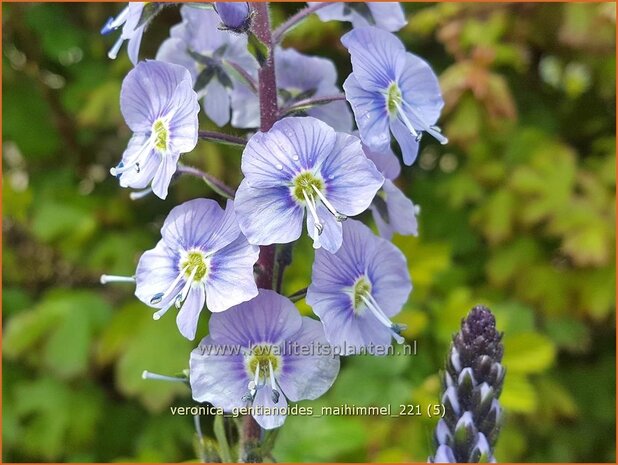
160,107
391,91
357,290
261,354
202,257
300,165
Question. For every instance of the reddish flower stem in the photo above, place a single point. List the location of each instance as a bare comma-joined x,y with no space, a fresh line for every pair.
251,433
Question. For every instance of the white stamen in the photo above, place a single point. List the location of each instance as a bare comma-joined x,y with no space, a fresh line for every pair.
108,278
117,170
432,130
185,290
273,382
373,306
136,195
149,144
406,121
253,385
113,52
148,375
158,314
395,326
120,19
163,295
338,216
311,206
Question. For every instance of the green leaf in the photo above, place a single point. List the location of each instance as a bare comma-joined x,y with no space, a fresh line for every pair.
495,217
518,394
60,221
568,333
370,372
311,439
64,324
59,419
25,108
528,352
136,343
256,48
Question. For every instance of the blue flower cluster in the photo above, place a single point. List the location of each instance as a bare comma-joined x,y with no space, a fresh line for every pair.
310,169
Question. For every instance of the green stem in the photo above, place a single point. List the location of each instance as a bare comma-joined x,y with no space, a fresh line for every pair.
215,184
224,447
293,21
222,138
310,102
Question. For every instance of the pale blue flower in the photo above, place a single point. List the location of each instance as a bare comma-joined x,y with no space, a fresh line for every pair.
392,211
299,77
385,15
302,163
133,23
202,257
210,55
357,290
391,91
262,353
160,107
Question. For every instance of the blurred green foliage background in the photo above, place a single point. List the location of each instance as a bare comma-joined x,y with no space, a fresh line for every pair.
518,212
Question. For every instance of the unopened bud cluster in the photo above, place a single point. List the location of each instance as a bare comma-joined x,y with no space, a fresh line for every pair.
471,387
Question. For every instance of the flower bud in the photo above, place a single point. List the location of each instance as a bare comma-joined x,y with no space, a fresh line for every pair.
472,383
444,454
235,16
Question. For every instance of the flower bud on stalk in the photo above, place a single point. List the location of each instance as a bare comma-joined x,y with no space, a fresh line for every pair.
472,385
235,16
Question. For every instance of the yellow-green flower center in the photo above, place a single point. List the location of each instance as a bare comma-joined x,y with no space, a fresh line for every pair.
195,260
161,133
393,98
306,181
362,288
261,355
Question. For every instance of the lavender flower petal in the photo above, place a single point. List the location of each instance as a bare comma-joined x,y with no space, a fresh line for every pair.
322,369
188,315
217,377
231,280
370,113
386,15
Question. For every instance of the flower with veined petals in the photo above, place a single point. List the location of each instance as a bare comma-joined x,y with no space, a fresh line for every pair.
356,290
235,16
385,15
262,353
201,257
299,77
160,107
391,91
209,54
392,211
302,163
